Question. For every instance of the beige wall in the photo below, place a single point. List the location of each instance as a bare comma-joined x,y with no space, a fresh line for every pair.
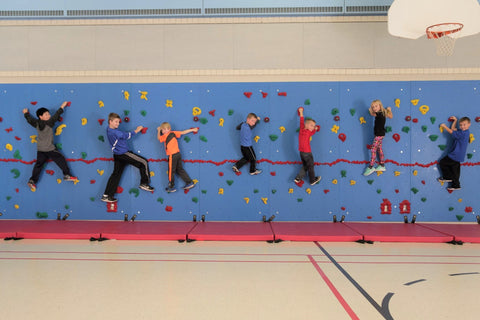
269,49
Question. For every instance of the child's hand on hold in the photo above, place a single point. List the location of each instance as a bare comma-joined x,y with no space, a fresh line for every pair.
317,128
195,130
300,111
25,110
139,128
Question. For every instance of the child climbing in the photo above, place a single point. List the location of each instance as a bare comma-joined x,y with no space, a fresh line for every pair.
307,130
246,145
169,138
380,113
45,147
122,156
450,164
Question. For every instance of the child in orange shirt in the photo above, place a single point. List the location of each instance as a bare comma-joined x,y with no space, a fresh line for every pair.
169,138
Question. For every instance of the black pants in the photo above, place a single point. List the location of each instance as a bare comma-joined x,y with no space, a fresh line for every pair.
42,157
450,171
175,166
307,166
248,156
119,163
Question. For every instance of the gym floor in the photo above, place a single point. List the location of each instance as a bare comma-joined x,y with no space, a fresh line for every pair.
78,279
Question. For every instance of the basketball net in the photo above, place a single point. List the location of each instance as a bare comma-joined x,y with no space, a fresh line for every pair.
445,35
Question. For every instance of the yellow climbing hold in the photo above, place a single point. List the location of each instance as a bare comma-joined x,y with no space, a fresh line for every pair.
143,95
84,121
282,129
415,172
335,128
195,181
308,190
256,138
460,200
59,181
424,109
290,190
353,182
396,173
100,172
33,139
471,138
265,200
247,200
441,129
60,129
76,181
169,103
101,104
379,173
152,174
397,103
196,111
126,95
9,147
334,181
16,206
221,121
362,120
220,190
414,102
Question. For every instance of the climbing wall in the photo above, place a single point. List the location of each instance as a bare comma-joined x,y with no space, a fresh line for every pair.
412,147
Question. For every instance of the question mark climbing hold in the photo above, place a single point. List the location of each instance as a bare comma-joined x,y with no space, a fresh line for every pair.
220,122
84,121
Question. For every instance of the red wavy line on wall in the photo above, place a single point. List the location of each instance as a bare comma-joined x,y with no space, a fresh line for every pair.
219,163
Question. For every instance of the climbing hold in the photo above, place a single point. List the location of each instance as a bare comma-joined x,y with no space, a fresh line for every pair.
468,209
17,155
433,137
414,190
33,139
334,111
196,111
424,109
326,191
370,181
143,113
282,94
220,190
386,207
441,129
50,172
144,130
9,129
415,172
379,173
451,208
126,95
273,137
84,121
282,129
432,120
42,215
406,129
186,138
397,103
9,147
460,200
414,101
353,182
220,174
247,94
299,200
471,138
264,200
307,102
396,173
335,128
84,155
274,191
229,182
203,138
168,208
343,173
212,112
290,190
204,191
362,120
143,95
92,181
264,94
101,104
255,191
230,112
92,199
379,191
423,199
203,120
195,199
266,119
247,200
256,139
396,137
101,138
424,128
408,118
342,137
336,118
59,146
16,173
59,129
469,155
100,121
100,172
334,181
169,103
388,129
300,183
160,200
352,112
459,217
442,147
220,122
308,190
273,173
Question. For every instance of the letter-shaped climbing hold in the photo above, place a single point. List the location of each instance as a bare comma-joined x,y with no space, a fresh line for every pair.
424,109
100,172
308,190
135,191
471,138
256,138
362,120
60,129
220,190
143,95
101,104
33,139
290,190
212,112
196,111
16,173
397,103
126,95
334,181
265,200
396,173
353,182
59,181
335,128
414,102
282,129
84,121
247,200
220,122
9,147
169,103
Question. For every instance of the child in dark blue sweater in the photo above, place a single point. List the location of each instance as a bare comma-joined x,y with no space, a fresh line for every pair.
246,145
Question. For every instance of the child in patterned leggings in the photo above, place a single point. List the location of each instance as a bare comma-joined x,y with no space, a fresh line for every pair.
380,113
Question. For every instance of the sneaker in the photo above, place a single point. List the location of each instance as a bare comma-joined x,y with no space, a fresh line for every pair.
189,186
32,185
255,172
317,180
380,167
443,180
235,169
368,171
109,199
453,188
170,189
69,178
146,187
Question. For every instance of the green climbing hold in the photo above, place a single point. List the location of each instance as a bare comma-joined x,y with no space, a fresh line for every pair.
459,217
8,198
379,191
255,190
195,199
469,155
203,138
424,128
126,112
423,199
84,155
274,191
406,129
307,102
203,120
42,215
92,199
229,182
432,120
352,112
370,181
17,155
343,173
16,173
299,200
160,200
143,113
414,190
442,147
273,137
67,206
59,146
298,130
450,209
335,111
433,137
187,139
204,191
101,138
135,191
230,112
388,129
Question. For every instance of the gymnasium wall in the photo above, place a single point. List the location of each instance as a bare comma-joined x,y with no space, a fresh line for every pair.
412,146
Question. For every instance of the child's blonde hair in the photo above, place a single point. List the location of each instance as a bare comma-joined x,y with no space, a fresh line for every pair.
310,120
165,125
113,116
382,109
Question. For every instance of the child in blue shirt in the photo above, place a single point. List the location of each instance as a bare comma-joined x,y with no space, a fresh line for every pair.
122,156
246,145
450,164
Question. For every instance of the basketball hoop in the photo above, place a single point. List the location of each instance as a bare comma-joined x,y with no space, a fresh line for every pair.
444,35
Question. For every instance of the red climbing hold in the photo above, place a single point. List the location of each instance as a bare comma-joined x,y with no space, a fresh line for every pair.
336,118
17,190
369,146
326,191
69,103
186,191
60,119
168,208
300,183
119,189
144,130
468,209
126,119
396,137
450,119
112,207
404,207
423,181
397,191
266,119
195,132
1,119
33,103
9,129
408,118
195,118
282,94
342,137
50,172
100,121
247,94
212,112
18,138
343,208
92,181
264,94
415,120
299,109
238,173
220,174
477,119
369,217
386,207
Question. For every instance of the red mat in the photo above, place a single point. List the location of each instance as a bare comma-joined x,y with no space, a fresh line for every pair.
147,230
6,228
54,229
398,232
314,231
461,232
233,231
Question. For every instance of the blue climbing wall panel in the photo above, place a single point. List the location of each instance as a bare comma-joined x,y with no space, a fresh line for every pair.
412,147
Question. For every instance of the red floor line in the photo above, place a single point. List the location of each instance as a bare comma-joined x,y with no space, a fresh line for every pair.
333,289
401,255
153,260
407,262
